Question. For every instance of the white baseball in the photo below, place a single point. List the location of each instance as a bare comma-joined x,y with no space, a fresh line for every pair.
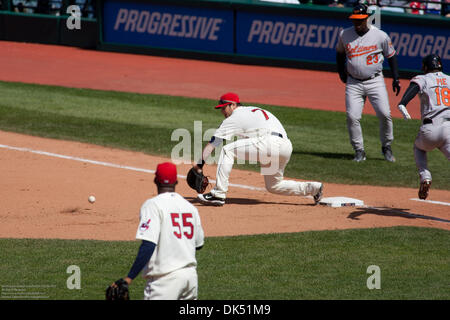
91,199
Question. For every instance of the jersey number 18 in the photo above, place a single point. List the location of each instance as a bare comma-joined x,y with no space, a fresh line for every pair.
442,96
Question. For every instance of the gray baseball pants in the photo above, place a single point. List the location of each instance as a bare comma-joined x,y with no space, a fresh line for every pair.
356,93
431,136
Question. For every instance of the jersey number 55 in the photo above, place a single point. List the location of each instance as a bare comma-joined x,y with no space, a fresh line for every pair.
186,228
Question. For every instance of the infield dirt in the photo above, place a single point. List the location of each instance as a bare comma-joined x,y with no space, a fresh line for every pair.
43,196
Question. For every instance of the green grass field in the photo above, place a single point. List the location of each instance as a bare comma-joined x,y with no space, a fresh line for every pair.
311,265
140,122
315,265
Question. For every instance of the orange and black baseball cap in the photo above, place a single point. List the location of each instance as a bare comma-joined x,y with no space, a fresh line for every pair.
359,12
166,173
228,98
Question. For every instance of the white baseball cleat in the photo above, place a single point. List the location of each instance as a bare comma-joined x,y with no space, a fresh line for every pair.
209,200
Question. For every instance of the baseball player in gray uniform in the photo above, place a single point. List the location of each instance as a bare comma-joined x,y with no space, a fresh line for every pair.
434,91
361,50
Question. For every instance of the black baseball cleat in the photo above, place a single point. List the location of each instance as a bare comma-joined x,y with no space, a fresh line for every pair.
318,195
360,155
209,200
387,153
424,188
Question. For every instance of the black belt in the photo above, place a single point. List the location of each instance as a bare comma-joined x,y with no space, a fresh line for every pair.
430,119
370,78
277,134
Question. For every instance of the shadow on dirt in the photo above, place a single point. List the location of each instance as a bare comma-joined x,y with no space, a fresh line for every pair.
391,212
247,201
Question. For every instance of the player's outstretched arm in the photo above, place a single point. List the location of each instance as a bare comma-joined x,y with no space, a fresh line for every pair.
393,64
340,62
144,254
207,150
118,290
409,94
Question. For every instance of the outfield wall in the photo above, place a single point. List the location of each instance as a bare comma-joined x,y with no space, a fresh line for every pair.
294,35
47,29
240,31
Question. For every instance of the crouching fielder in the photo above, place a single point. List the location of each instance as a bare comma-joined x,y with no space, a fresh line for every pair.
263,140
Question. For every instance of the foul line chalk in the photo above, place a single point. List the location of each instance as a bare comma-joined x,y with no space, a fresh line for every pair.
431,201
111,165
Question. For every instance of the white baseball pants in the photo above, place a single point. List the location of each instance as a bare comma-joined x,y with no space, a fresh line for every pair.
356,93
431,136
181,284
273,154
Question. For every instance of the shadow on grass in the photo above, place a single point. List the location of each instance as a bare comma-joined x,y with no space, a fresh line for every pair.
339,156
327,155
392,212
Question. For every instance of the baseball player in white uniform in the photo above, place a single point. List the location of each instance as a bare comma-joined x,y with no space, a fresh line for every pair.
171,232
434,91
361,50
262,139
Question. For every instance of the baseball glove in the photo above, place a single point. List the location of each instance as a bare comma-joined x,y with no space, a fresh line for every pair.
118,291
196,180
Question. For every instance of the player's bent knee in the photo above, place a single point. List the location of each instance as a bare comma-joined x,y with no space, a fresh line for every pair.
273,188
353,120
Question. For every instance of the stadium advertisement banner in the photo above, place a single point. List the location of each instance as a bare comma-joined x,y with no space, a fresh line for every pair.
287,37
315,39
262,34
173,27
412,43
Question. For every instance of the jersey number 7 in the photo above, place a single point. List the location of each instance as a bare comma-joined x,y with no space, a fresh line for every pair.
264,113
186,224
